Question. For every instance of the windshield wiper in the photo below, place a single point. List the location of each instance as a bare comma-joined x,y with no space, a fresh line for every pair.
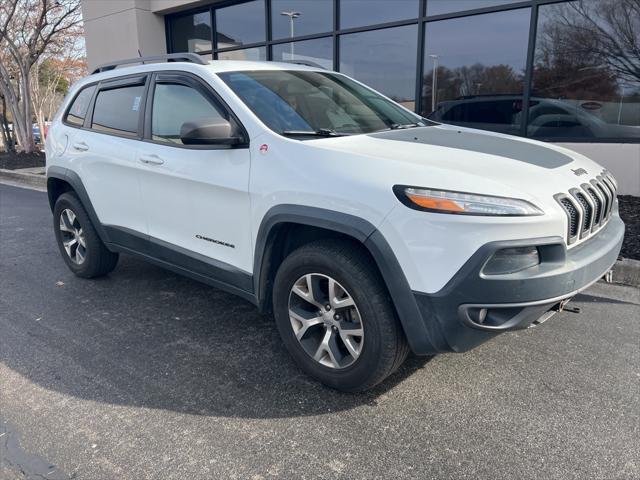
401,126
321,132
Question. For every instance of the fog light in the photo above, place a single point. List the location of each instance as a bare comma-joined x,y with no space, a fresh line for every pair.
511,260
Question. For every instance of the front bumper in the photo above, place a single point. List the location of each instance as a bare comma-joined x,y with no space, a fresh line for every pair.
455,318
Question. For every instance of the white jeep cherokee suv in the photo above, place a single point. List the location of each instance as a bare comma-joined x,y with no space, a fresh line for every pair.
367,230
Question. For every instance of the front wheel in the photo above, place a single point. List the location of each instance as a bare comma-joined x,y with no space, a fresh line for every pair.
335,315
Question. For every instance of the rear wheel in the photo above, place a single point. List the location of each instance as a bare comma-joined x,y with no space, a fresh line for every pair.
80,246
336,317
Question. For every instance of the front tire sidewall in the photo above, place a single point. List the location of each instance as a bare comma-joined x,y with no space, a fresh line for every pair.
367,364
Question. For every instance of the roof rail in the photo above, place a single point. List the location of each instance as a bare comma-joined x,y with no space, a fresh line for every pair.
171,57
302,62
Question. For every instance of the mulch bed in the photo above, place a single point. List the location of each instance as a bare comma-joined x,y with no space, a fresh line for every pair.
630,213
13,161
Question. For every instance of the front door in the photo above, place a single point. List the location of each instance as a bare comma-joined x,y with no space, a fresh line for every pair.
195,197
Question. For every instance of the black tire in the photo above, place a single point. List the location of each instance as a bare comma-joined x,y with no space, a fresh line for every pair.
384,346
97,259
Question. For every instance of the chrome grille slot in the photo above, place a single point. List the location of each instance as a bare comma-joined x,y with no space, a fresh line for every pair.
588,207
599,203
606,181
574,216
607,198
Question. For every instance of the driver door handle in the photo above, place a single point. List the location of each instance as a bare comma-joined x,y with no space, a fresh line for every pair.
80,146
152,159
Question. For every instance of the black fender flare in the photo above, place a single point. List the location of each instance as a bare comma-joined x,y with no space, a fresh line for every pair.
419,333
74,180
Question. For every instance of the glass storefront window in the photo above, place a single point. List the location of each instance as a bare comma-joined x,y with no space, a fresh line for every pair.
318,51
586,80
191,33
254,54
240,24
383,59
584,77
358,13
295,18
439,7
479,64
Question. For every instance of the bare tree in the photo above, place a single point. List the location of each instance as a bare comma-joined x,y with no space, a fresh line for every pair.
50,80
28,30
5,131
592,36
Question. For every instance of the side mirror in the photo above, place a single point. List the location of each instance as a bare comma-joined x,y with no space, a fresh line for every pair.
209,131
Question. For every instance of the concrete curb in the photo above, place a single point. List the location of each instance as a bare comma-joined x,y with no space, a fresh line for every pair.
627,272
24,178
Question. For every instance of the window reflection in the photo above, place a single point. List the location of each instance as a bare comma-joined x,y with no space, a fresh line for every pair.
586,80
295,18
480,67
191,33
240,24
253,54
357,13
319,52
439,7
383,59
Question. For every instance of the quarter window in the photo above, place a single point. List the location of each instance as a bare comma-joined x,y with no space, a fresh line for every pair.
173,105
79,107
117,110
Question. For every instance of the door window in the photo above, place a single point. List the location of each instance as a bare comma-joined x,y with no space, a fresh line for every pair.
173,105
80,105
117,110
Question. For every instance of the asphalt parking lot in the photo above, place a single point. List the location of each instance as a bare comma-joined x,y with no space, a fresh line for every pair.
144,374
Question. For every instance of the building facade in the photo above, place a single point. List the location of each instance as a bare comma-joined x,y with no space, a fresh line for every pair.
560,71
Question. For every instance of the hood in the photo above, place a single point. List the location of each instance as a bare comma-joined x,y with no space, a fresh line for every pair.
475,161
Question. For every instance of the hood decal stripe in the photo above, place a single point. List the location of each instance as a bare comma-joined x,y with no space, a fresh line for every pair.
515,149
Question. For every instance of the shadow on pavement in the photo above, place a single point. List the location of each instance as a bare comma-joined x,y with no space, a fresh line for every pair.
145,337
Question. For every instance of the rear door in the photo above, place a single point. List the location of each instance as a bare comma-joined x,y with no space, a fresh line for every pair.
195,196
103,152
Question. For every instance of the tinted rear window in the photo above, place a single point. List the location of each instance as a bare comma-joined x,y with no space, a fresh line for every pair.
117,110
79,106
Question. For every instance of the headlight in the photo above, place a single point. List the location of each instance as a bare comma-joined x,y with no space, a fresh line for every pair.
444,201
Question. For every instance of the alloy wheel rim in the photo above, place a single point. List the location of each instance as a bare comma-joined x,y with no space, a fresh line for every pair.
326,321
73,239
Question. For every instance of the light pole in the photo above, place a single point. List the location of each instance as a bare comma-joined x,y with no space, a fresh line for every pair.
623,87
292,15
434,82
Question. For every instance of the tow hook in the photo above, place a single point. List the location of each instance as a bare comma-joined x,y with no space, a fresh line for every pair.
572,309
608,277
562,307
559,307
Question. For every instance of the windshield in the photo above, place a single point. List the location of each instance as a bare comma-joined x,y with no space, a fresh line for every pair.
301,103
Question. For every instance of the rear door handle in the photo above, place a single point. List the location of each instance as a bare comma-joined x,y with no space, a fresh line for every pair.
80,146
151,159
